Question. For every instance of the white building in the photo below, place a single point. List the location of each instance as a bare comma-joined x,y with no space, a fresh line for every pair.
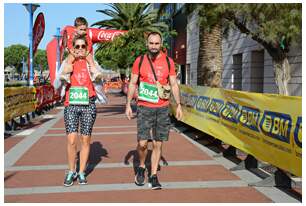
9,72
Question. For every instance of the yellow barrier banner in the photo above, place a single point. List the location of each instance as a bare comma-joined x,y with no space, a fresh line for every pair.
18,101
267,126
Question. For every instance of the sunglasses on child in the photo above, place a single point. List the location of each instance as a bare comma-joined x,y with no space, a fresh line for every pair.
83,46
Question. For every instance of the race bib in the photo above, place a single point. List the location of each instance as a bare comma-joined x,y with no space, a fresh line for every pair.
78,96
148,92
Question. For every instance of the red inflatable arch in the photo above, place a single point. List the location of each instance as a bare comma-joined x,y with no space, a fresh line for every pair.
96,35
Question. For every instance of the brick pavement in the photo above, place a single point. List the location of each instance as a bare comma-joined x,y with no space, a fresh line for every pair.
35,166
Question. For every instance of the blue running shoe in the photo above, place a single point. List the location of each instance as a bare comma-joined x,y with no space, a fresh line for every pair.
82,178
70,177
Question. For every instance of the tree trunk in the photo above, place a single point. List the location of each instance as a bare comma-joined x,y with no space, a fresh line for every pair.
282,75
210,64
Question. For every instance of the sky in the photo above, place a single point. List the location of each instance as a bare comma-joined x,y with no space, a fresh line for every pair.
16,19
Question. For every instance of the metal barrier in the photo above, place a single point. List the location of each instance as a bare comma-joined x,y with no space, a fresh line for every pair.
22,103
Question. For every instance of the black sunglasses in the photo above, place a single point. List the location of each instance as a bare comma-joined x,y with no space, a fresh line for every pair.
83,46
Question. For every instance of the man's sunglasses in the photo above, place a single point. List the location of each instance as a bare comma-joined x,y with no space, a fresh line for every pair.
83,46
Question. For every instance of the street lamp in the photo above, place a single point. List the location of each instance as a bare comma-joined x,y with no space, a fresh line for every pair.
31,9
57,36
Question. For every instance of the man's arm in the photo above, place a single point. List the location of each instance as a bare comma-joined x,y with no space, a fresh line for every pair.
131,90
175,89
176,94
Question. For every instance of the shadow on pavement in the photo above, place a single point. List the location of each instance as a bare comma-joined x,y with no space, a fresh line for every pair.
9,176
21,127
292,193
135,159
97,152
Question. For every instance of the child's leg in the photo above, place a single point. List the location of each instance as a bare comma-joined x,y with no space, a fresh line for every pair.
91,63
70,58
96,74
65,76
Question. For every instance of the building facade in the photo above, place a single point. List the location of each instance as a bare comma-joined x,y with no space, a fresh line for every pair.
247,66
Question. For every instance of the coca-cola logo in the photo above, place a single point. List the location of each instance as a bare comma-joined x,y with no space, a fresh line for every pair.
108,35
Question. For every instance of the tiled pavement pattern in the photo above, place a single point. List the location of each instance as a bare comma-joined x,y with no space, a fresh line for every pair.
35,163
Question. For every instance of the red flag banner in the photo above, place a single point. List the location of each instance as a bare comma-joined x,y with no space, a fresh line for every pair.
38,31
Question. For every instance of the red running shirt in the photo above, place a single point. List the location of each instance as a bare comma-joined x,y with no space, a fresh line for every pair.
80,77
146,75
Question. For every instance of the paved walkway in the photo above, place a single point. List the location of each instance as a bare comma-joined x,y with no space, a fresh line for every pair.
35,163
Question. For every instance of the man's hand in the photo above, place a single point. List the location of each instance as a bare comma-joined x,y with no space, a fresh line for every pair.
128,111
179,112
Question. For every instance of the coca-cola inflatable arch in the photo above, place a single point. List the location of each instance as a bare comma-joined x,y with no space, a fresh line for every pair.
96,35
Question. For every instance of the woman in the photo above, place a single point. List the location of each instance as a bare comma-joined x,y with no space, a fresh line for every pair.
80,109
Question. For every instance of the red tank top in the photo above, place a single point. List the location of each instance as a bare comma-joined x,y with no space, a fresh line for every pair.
80,77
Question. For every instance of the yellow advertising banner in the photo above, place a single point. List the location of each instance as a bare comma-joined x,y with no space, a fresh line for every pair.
267,126
18,101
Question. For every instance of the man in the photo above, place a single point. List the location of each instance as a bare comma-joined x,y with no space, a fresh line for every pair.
152,114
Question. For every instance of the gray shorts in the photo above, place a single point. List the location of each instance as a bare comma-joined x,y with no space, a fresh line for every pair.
155,120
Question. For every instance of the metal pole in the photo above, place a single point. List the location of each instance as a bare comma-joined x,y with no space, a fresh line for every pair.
23,69
31,9
57,36
31,45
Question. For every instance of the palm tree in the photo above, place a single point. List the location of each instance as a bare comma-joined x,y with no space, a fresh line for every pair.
138,19
210,65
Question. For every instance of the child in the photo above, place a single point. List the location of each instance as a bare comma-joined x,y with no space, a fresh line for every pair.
81,26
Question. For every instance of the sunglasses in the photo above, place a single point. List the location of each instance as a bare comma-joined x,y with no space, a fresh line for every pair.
82,46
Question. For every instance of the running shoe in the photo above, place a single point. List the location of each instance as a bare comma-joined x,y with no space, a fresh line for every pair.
140,176
154,183
82,178
70,177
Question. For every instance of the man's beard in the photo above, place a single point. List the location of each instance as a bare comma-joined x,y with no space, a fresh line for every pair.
153,54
